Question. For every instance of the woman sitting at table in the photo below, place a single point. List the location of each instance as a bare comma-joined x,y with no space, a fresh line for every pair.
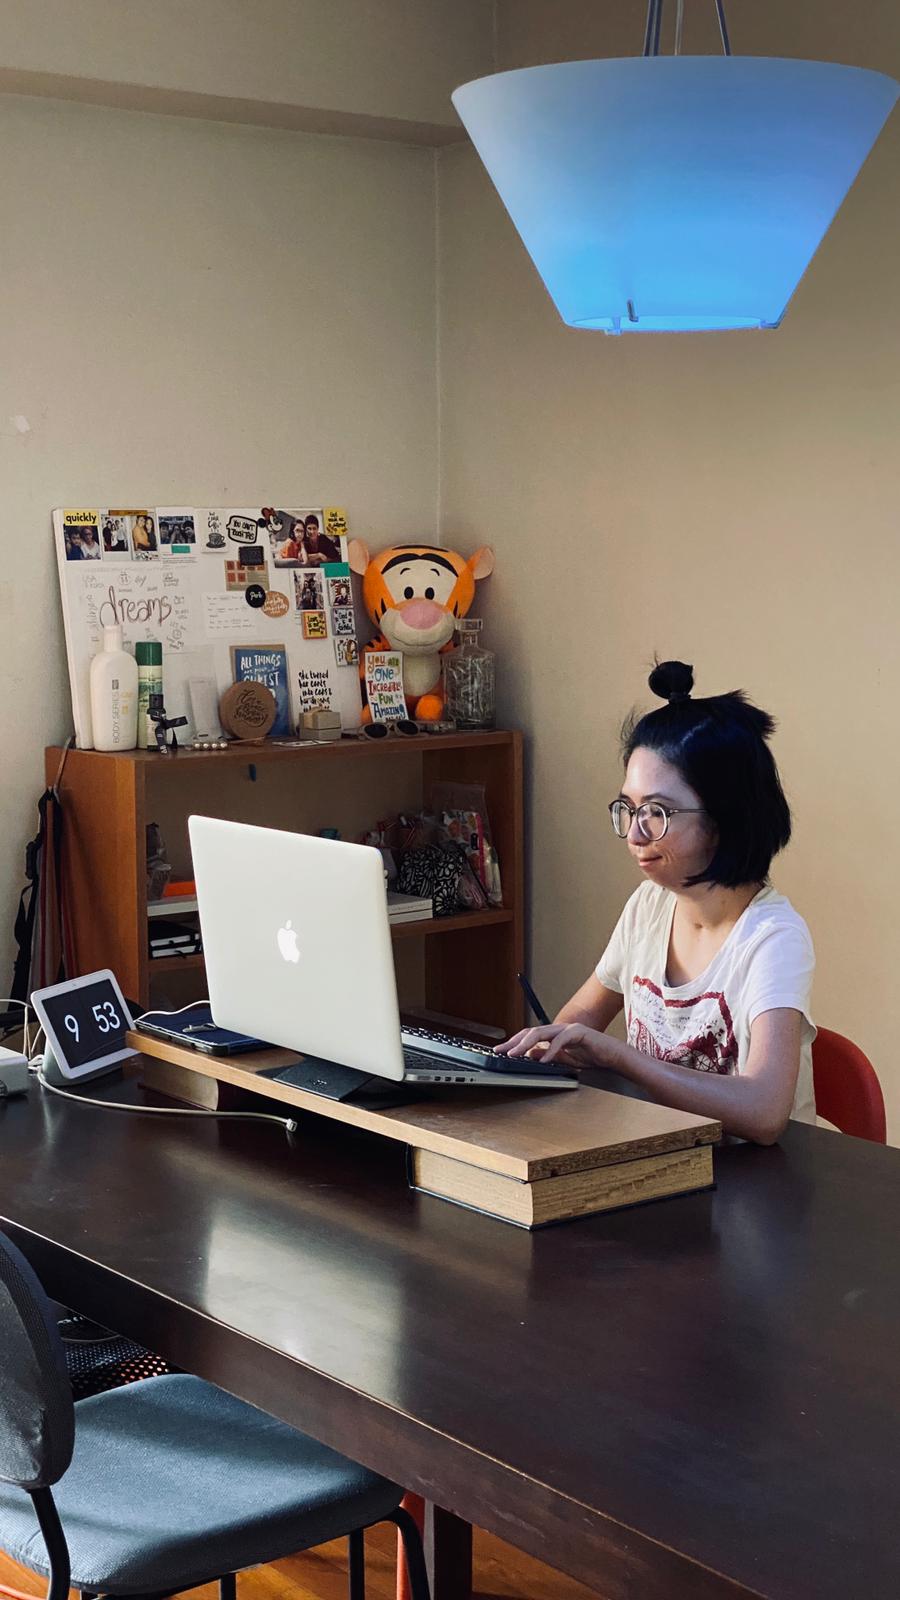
712,965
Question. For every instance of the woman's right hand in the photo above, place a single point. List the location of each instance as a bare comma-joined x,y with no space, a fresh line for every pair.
539,1050
571,1043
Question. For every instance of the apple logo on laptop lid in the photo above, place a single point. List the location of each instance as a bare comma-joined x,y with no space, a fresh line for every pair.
287,942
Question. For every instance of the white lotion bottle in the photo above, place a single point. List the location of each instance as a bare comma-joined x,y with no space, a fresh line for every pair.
114,694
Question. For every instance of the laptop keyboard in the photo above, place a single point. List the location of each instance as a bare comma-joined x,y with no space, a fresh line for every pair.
439,1052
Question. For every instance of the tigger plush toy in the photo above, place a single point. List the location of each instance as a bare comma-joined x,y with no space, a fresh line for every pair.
414,594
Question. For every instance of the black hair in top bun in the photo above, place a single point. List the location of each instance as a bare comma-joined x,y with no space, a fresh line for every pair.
719,745
672,680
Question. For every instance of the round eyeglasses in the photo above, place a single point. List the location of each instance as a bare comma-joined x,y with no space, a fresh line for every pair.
652,818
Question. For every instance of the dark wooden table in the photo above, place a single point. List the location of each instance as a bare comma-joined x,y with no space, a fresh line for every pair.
696,1399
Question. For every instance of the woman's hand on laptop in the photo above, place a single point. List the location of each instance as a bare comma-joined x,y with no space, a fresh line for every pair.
572,1044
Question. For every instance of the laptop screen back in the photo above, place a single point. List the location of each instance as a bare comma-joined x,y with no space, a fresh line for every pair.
297,942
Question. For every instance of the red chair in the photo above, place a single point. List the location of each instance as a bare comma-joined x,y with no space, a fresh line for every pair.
847,1089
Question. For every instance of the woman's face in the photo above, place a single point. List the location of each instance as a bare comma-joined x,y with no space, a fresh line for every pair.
689,844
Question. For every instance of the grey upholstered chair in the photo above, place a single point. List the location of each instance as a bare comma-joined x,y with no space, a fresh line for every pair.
162,1485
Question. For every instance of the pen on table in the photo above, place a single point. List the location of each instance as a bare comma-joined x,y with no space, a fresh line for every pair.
535,1004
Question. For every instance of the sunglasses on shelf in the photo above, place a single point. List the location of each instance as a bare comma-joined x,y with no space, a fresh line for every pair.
381,730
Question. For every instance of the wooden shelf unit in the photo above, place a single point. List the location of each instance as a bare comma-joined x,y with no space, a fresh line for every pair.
461,966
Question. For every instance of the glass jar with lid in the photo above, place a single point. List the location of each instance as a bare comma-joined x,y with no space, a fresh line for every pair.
469,680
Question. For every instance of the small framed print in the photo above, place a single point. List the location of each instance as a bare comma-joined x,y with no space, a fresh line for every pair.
309,592
346,652
315,624
339,592
116,531
343,621
177,533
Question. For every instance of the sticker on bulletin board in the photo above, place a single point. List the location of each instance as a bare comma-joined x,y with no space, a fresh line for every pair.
335,521
267,664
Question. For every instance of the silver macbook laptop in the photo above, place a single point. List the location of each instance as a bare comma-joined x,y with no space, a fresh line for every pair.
298,951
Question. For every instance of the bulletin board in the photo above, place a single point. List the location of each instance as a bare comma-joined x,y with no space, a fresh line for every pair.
227,591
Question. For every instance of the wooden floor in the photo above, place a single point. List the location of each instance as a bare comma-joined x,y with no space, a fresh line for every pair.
322,1574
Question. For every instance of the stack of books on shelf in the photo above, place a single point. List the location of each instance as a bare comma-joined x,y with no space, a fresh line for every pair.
409,907
177,905
171,938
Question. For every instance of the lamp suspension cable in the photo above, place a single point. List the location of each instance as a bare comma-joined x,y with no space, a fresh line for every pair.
654,24
652,7
723,27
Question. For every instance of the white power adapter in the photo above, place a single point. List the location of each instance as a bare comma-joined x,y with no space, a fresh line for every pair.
14,1074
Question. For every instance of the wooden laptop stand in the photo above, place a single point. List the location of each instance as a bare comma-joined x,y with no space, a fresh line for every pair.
527,1156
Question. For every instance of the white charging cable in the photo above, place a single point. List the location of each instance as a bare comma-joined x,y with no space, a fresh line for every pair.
189,1007
36,1064
289,1125
26,1027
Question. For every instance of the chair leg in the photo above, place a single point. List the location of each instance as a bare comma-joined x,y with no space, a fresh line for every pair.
356,1564
55,1542
414,1553
228,1587
415,1505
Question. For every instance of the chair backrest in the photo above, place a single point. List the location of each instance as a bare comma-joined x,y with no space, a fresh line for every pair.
37,1412
847,1089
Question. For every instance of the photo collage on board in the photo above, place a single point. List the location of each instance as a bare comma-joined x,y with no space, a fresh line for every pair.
271,562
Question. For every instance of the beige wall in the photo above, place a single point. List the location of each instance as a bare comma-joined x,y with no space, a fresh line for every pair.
194,314
396,59
731,499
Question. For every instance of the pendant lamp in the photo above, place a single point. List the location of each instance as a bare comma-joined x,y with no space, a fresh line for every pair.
674,193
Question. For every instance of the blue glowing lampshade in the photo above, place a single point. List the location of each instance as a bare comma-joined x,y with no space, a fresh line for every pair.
674,192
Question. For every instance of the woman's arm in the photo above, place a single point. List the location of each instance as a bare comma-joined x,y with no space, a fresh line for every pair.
753,1104
593,1004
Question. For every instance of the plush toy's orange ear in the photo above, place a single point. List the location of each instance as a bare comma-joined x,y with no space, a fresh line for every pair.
358,552
482,562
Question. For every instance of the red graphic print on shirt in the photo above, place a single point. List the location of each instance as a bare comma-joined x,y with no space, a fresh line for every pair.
696,1032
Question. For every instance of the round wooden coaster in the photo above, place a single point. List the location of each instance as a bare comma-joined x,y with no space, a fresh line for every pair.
247,710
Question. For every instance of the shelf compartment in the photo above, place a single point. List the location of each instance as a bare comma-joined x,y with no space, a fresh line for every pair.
344,786
457,924
176,906
400,930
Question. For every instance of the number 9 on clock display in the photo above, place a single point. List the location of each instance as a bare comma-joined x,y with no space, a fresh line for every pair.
85,1021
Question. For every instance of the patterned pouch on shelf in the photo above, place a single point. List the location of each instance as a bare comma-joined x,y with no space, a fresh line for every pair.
430,871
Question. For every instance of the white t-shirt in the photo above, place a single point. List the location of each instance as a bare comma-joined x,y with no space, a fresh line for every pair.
767,961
